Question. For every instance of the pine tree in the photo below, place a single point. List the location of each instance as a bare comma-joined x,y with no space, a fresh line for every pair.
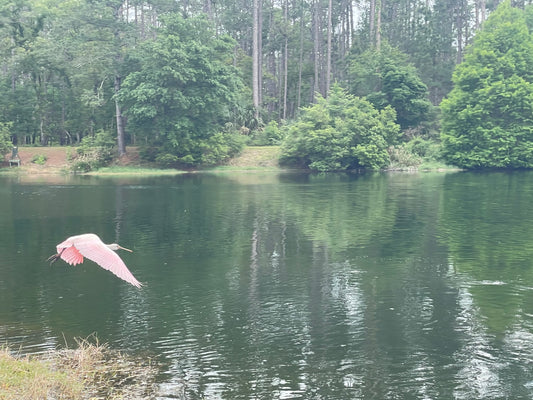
488,116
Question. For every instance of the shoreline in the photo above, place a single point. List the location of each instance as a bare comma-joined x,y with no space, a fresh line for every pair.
253,159
91,370
57,161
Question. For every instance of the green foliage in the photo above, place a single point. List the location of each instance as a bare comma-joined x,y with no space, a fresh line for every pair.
54,56
341,132
402,158
387,79
183,79
208,152
429,150
270,135
427,32
183,92
166,160
5,137
221,147
488,116
95,152
39,159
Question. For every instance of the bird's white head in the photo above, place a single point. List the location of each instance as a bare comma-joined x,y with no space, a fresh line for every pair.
115,247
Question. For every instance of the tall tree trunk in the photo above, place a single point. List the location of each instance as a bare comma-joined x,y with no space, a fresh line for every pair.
256,59
120,120
301,60
42,137
372,22
143,34
378,27
459,27
285,59
260,52
349,27
208,9
13,74
121,144
272,84
316,48
344,33
328,67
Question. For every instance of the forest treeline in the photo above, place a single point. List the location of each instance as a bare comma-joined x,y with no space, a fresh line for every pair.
191,81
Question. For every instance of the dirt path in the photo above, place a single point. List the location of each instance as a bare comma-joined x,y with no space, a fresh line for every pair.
56,159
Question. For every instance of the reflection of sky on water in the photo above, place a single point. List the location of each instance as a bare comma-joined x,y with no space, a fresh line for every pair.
478,376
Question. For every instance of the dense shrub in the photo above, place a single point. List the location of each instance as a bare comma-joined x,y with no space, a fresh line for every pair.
207,152
94,152
270,135
221,147
339,133
5,134
402,158
429,150
39,159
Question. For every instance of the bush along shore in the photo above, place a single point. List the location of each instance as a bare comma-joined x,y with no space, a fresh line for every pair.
90,371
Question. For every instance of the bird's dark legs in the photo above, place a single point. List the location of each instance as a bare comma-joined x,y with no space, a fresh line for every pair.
54,257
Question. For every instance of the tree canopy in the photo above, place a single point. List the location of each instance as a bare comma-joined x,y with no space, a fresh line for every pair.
183,89
488,116
386,78
182,77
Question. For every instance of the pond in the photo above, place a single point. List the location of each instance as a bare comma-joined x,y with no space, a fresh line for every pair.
284,285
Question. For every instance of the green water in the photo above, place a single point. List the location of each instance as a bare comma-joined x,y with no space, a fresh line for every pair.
286,286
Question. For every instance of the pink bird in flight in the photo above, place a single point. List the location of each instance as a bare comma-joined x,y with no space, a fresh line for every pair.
89,245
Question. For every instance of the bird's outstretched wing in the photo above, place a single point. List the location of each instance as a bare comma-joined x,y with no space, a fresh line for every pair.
70,255
89,245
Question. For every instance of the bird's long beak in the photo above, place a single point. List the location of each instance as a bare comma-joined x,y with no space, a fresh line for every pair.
123,248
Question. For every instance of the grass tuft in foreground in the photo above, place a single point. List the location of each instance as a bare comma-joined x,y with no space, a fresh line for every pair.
91,370
32,378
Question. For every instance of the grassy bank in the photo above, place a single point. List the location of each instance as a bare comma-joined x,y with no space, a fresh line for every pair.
57,161
30,378
90,371
256,157
252,158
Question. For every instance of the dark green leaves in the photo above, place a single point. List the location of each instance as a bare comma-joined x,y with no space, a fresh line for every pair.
487,117
341,132
387,79
183,91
